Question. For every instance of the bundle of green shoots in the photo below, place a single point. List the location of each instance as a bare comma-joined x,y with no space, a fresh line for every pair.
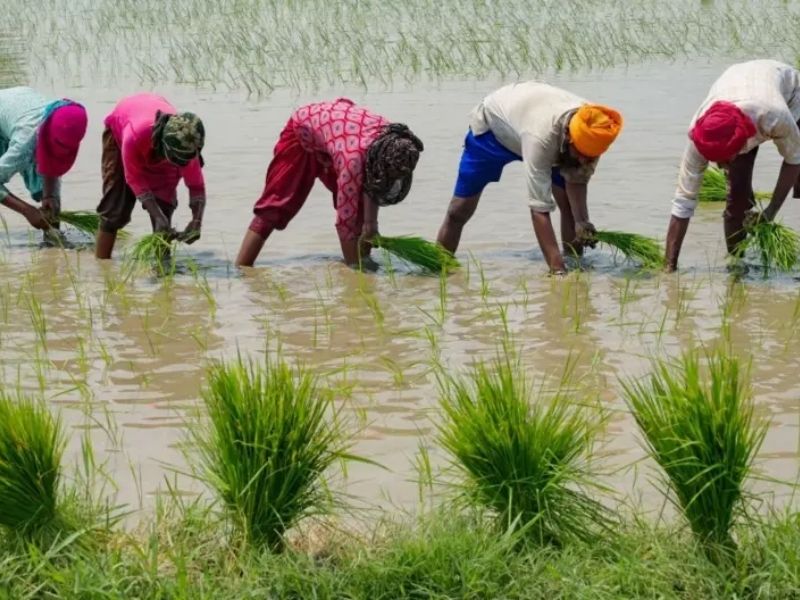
418,252
152,250
715,187
639,248
777,245
84,221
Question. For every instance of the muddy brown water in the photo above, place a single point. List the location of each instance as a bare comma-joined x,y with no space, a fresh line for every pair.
129,363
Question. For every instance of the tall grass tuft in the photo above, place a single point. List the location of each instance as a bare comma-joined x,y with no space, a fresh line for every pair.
428,256
714,187
85,221
31,448
698,424
635,247
270,435
525,458
153,250
778,246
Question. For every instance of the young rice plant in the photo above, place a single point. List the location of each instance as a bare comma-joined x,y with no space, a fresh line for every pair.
635,247
270,435
522,456
698,425
415,251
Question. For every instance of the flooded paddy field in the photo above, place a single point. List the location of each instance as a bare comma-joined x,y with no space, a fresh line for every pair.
126,358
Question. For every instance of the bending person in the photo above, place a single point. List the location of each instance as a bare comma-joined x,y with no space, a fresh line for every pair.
362,158
558,136
39,139
148,147
750,103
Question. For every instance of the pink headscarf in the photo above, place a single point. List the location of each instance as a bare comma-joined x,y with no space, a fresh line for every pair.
58,139
722,131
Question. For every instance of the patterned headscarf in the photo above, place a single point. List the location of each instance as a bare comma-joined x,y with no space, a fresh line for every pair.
391,159
179,138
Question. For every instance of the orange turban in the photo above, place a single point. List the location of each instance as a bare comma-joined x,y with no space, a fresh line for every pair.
593,127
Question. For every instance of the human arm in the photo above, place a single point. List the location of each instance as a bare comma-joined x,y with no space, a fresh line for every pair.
538,167
786,136
17,158
193,178
51,199
690,178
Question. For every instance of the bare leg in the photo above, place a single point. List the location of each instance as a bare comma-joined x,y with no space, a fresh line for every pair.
458,213
740,198
251,248
105,244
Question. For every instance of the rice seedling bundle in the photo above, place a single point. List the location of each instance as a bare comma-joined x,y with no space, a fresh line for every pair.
85,221
715,187
430,257
697,422
31,448
639,248
270,436
152,250
777,245
523,458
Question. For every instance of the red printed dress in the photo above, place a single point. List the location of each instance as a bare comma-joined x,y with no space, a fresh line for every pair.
325,140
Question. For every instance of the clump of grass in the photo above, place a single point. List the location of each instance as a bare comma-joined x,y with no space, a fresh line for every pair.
639,248
31,448
777,245
525,458
715,187
270,436
85,221
698,425
428,256
152,250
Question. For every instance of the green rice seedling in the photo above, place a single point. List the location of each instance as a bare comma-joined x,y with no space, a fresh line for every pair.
430,257
698,425
639,248
270,435
31,448
152,250
714,187
525,458
777,245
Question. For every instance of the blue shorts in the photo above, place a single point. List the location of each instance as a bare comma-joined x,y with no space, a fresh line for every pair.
482,162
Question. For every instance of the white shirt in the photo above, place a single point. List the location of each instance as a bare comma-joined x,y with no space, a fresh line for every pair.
530,119
768,92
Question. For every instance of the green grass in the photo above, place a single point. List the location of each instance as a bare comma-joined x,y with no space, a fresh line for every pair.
151,251
417,252
697,420
523,456
270,436
777,246
715,187
31,449
638,248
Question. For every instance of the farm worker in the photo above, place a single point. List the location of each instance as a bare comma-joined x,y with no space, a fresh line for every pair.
750,103
558,136
39,139
362,158
148,147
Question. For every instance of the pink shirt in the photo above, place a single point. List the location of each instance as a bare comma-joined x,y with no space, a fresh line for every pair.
131,124
340,133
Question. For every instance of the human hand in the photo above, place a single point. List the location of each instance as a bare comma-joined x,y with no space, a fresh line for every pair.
754,217
192,232
36,218
51,208
585,234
